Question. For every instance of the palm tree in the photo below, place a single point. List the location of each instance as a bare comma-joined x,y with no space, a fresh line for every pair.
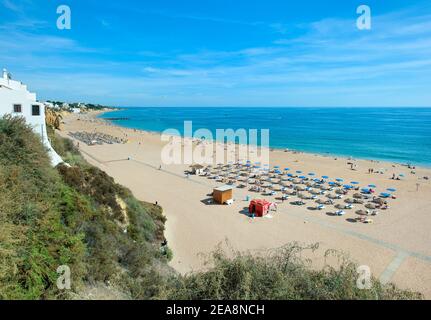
53,118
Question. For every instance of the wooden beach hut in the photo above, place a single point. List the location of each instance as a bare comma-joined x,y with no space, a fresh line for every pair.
223,194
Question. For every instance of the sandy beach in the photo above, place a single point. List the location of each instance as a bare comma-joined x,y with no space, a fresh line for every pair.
396,246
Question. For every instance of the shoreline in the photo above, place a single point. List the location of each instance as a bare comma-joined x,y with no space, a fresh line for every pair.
278,149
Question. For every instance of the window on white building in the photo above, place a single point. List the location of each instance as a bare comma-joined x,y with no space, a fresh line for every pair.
17,108
35,110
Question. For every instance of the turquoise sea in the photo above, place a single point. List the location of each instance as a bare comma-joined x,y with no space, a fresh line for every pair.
401,135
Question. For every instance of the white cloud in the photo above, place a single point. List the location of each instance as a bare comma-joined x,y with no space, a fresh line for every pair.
8,4
332,60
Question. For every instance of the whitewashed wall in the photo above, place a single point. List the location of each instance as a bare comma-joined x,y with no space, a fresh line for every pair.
13,92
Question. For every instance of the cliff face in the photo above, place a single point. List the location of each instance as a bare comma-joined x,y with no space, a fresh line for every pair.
70,216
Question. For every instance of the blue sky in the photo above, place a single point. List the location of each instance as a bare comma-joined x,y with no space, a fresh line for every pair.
221,52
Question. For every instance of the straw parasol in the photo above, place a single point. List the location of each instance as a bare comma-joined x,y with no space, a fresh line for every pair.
370,206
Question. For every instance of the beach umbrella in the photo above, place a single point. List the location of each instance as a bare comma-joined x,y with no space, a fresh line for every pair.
277,167
366,190
311,174
354,182
372,186
392,190
339,180
290,175
316,180
325,177
298,171
385,195
346,186
371,206
302,177
286,169
331,183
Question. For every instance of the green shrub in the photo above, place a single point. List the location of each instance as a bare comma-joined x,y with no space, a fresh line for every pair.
281,275
69,216
35,240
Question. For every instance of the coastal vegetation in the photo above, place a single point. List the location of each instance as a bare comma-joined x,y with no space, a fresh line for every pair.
75,216
79,217
53,118
282,274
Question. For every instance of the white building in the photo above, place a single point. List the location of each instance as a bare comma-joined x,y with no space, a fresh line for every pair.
15,99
